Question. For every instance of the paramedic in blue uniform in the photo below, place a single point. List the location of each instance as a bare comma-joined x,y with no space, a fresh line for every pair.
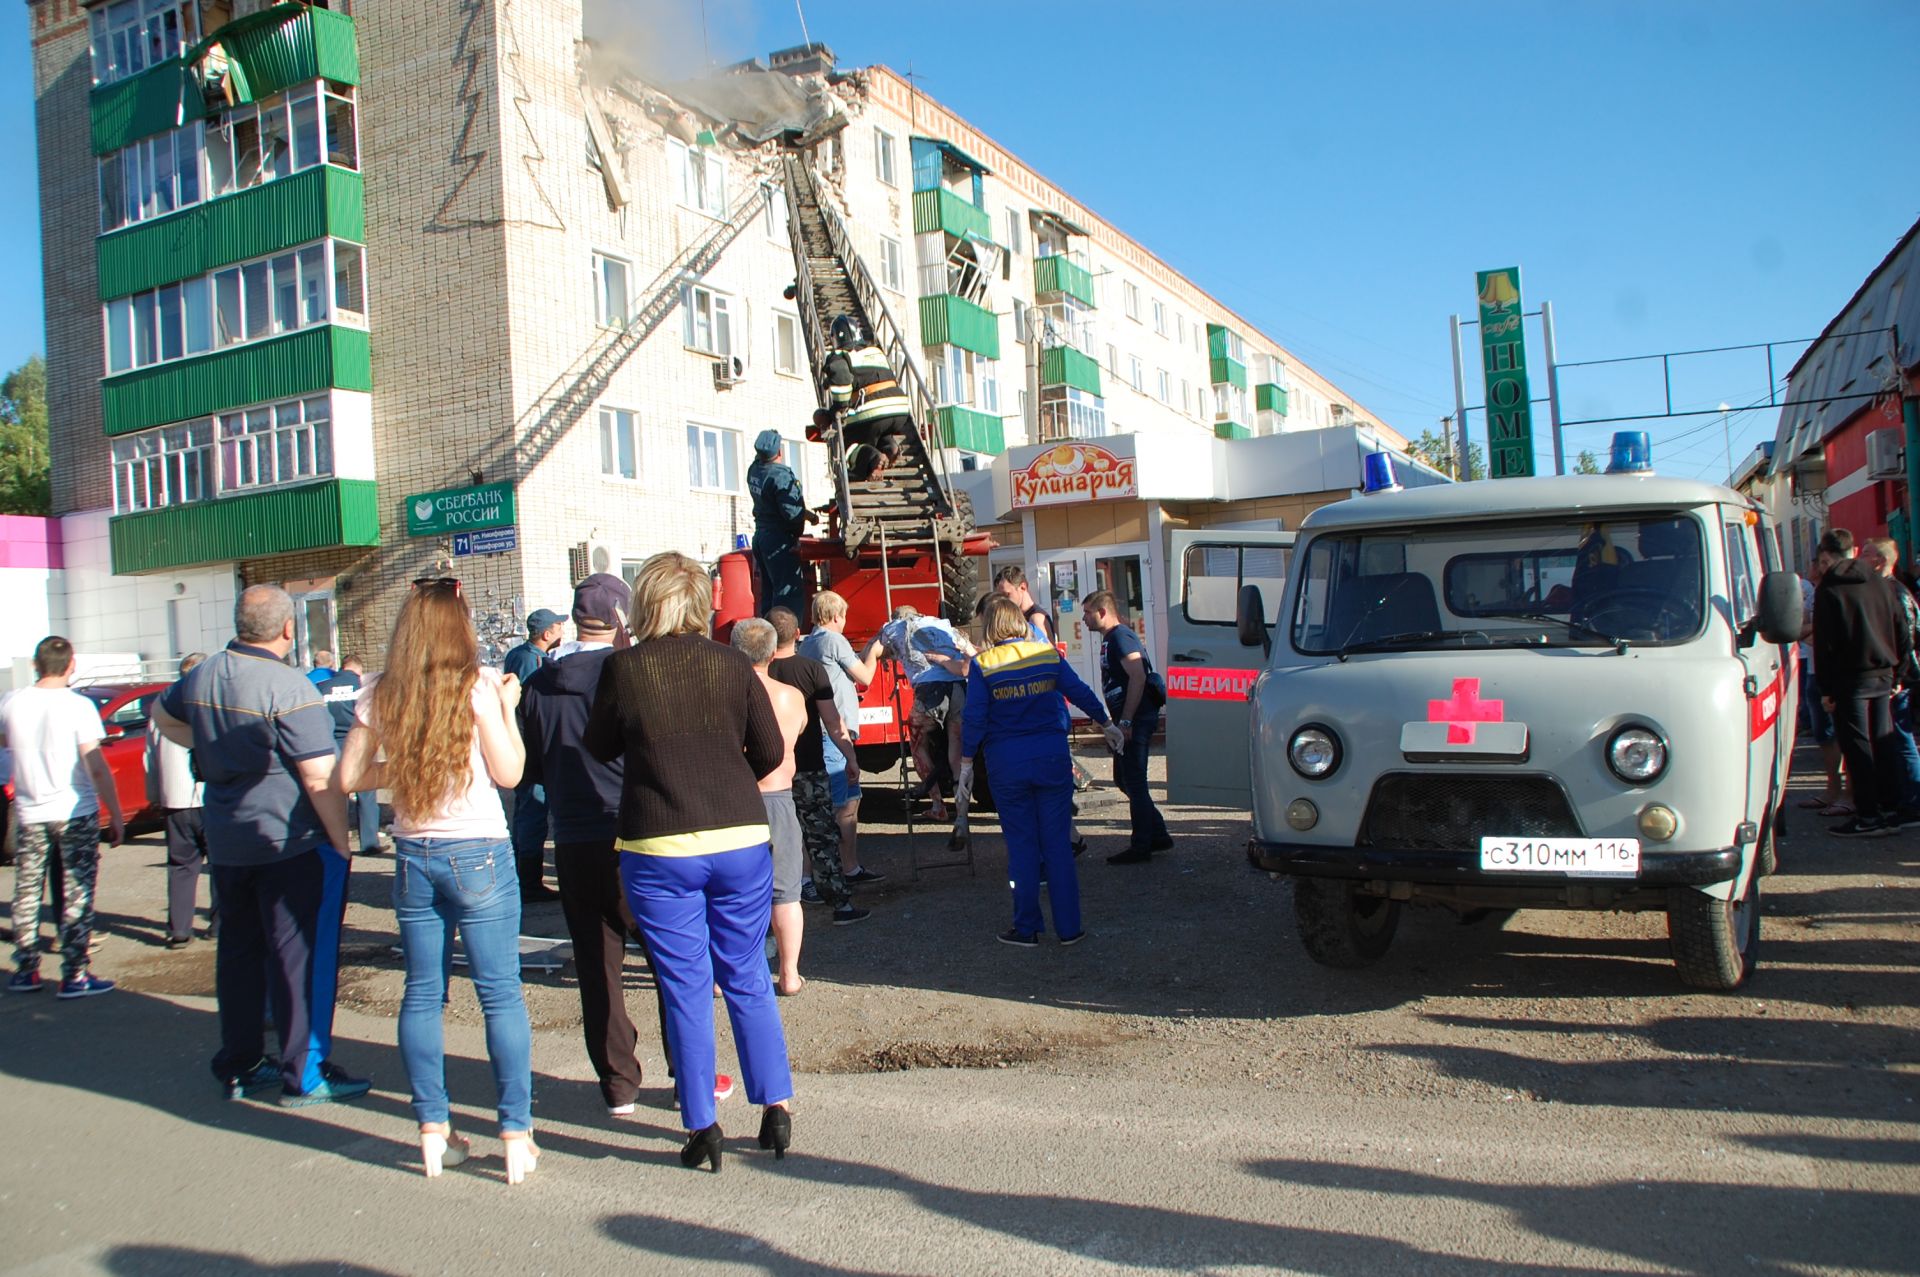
780,515
1016,712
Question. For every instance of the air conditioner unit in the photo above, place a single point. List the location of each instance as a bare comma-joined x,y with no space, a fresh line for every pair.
589,557
728,373
1887,454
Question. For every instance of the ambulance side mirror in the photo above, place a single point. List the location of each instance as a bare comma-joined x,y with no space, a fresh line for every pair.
1777,617
1250,618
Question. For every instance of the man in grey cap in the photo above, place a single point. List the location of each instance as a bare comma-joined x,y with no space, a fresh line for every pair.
527,808
780,515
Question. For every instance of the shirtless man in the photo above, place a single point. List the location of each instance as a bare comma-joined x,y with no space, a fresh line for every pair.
756,640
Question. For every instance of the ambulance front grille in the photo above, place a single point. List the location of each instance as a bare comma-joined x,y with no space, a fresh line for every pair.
1424,811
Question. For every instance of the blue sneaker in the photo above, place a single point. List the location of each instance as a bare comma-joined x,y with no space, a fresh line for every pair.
25,980
1018,938
84,986
258,1078
335,1087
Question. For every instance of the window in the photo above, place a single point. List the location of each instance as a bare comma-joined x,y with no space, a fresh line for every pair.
777,229
612,300
703,178
1186,396
786,344
254,300
964,379
708,326
343,135
1213,575
893,272
1131,294
619,443
163,467
286,442
1019,320
713,458
1136,373
1180,329
1165,387
1744,589
1159,317
1113,360
1015,230
1067,412
883,157
131,35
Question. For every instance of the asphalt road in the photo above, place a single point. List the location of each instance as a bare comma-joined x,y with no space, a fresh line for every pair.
1184,1092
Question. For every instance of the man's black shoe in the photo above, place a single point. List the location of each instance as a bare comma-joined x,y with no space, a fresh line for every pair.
260,1077
1161,844
849,915
1131,856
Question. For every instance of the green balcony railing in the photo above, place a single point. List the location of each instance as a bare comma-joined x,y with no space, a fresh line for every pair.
946,320
232,228
1231,430
1228,370
313,516
1057,274
975,431
942,210
279,368
274,49
1065,366
1268,397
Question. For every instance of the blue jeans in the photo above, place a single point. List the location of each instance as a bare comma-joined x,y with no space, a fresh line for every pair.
530,835
440,884
705,919
1130,774
1909,753
366,813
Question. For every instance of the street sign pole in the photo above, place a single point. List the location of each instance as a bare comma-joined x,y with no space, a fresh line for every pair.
1465,469
1553,387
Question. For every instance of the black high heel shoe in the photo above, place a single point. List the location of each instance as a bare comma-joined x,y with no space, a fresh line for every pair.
703,1147
776,1131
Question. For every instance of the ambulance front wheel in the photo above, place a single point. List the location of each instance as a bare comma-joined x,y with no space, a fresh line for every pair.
1715,943
1340,926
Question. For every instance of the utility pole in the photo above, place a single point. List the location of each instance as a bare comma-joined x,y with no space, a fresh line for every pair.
1459,397
1553,387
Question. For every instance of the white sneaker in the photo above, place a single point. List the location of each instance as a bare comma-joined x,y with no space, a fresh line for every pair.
620,1110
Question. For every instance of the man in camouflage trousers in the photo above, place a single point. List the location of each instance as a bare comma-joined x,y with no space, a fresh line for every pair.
812,793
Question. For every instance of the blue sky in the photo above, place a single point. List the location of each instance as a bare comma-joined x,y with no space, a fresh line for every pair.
1672,176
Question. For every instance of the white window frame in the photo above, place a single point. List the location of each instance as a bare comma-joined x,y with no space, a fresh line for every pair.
130,36
1165,384
601,263
893,265
151,469
1015,230
727,445
1159,317
708,320
615,421
267,432
700,178
788,320
1136,374
1130,298
886,158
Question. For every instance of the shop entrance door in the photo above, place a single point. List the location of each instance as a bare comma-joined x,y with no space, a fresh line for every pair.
313,626
1070,575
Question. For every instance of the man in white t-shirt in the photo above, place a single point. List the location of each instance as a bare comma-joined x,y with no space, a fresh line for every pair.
60,778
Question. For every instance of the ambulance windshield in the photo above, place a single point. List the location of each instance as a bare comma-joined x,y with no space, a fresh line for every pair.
1538,583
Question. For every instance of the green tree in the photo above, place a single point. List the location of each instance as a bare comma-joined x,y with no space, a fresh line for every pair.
1586,462
25,468
1437,451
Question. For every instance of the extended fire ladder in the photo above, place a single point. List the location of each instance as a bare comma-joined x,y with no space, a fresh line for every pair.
913,508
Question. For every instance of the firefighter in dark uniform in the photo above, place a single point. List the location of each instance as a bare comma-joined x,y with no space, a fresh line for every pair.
780,515
878,412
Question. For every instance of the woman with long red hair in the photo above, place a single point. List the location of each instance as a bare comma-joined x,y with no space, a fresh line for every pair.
438,730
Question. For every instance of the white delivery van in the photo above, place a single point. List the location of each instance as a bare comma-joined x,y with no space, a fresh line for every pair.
1565,693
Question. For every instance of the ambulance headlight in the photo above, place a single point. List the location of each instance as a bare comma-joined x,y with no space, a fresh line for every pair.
1314,751
1637,755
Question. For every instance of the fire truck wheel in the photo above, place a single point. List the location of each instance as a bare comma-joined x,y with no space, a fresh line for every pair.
960,572
1339,926
1715,943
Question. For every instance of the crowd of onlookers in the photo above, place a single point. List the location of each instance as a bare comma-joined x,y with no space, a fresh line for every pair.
696,795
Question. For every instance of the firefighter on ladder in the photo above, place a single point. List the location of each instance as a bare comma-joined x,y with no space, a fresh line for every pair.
780,515
878,412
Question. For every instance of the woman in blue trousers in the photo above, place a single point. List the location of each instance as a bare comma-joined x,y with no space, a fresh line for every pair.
696,732
446,730
1017,692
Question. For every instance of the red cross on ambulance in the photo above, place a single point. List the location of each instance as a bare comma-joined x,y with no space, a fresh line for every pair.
1464,725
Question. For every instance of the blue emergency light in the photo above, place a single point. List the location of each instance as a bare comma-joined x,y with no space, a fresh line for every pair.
1632,454
1377,475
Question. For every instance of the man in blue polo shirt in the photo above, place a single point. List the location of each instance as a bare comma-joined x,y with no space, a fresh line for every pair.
262,742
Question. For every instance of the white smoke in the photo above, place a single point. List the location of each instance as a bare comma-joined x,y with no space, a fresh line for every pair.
675,39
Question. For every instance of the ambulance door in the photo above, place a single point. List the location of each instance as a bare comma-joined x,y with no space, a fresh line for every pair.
1208,672
1767,678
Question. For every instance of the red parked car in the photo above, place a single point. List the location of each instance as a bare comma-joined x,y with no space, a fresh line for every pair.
124,710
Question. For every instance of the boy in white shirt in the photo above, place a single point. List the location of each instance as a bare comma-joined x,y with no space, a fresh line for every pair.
60,779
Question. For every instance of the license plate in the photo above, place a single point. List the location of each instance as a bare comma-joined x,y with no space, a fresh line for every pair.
1575,857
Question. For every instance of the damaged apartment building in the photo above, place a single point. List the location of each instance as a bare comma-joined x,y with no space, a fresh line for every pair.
343,294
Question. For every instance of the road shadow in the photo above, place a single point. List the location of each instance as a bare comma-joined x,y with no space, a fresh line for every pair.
186,1261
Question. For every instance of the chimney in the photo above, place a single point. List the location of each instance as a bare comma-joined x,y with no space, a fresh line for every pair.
802,59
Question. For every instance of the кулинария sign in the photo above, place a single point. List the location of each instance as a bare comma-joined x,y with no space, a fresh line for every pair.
490,505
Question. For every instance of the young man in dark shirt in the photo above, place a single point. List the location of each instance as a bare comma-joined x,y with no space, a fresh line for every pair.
812,793
1861,646
1134,695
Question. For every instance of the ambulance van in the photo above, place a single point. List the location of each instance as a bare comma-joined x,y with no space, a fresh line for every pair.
1560,693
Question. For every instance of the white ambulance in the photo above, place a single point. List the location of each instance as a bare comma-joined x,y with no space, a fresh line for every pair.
1563,693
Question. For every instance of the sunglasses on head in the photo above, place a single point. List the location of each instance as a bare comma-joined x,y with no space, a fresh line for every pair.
437,583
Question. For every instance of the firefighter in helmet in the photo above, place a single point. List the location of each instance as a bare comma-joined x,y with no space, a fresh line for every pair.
878,412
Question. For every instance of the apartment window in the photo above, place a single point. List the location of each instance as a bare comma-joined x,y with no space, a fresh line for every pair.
1131,296
1113,360
1015,230
893,271
777,229
1186,396
708,326
1166,386
713,458
703,178
1067,412
883,155
1180,329
1159,317
164,467
248,302
786,344
964,379
1019,320
619,443
1136,373
131,35
612,294
287,442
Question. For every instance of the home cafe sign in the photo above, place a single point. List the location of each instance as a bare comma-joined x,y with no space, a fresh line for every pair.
1074,472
